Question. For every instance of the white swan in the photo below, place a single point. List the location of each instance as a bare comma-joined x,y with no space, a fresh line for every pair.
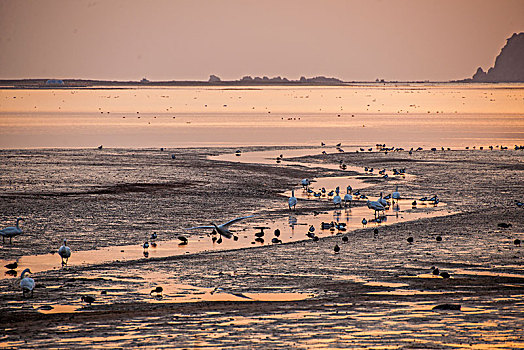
382,201
10,232
292,200
26,283
348,197
222,229
65,252
305,183
396,194
376,206
337,200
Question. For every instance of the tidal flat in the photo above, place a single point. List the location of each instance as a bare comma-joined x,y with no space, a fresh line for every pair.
378,291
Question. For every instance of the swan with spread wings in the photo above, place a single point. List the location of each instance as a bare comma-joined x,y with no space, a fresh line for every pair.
223,229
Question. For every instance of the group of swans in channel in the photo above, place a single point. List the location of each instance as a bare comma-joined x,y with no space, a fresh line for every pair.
379,205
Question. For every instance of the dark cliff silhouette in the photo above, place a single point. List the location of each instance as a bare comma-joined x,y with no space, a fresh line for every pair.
509,64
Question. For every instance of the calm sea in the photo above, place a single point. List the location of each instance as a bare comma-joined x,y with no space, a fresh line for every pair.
364,115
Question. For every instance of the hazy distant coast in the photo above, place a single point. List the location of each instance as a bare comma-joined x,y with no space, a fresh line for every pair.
508,68
277,81
212,81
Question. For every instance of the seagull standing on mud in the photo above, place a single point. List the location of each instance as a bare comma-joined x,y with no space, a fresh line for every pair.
10,232
292,200
64,252
223,229
26,283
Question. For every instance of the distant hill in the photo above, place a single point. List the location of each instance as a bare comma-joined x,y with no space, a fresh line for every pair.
509,64
213,81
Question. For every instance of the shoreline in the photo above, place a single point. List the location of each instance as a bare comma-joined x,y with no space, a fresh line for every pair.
39,84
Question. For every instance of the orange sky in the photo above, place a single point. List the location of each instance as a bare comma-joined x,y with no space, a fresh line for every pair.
166,40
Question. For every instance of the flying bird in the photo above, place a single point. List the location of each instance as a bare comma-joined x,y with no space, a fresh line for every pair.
223,229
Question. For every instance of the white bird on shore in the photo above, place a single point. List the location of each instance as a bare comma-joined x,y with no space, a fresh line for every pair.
292,200
382,201
65,252
26,283
223,229
376,206
337,200
10,232
396,194
305,183
348,197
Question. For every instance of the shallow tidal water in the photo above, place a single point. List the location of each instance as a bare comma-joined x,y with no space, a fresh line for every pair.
292,227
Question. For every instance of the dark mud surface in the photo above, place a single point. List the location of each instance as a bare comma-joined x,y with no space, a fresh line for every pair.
377,292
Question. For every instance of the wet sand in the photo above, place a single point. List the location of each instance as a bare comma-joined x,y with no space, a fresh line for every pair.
377,292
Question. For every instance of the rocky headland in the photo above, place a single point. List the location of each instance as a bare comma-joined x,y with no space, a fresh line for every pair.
509,64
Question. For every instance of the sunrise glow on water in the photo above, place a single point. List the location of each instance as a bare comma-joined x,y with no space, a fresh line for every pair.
417,114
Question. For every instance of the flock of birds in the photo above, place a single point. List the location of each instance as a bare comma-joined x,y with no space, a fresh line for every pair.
27,284
380,205
382,148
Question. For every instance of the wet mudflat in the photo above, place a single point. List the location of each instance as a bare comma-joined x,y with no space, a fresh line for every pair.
378,291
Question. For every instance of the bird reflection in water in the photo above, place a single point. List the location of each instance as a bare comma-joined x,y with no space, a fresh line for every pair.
292,222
